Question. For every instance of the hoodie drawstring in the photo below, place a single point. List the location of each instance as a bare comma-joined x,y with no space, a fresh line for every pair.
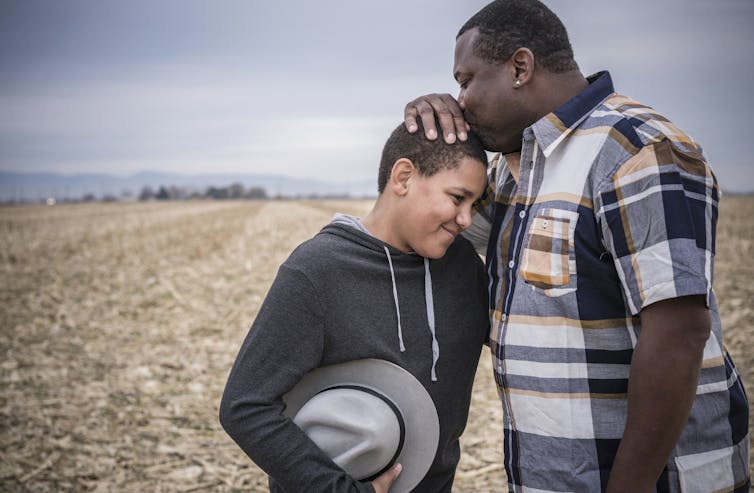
431,316
395,298
430,303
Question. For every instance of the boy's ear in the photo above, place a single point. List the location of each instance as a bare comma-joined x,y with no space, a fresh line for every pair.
400,176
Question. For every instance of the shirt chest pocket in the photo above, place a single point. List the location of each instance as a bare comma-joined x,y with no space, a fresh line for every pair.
548,260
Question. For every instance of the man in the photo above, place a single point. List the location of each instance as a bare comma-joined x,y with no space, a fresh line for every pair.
605,334
398,285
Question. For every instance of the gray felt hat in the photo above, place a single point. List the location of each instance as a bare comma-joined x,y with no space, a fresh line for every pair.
367,415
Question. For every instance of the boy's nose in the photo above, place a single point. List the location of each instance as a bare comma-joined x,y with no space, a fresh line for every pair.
464,219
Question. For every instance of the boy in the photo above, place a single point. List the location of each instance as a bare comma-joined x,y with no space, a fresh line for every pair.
399,285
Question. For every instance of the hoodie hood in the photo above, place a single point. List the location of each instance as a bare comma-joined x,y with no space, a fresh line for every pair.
350,227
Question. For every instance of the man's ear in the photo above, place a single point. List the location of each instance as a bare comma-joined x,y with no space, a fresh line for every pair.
523,66
400,176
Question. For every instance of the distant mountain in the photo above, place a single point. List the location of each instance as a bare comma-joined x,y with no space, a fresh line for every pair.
39,186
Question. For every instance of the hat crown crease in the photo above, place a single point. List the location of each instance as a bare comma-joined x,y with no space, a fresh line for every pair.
354,426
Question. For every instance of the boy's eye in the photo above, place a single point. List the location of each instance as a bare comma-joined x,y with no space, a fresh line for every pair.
458,198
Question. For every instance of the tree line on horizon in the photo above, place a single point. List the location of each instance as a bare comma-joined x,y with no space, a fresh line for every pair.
234,191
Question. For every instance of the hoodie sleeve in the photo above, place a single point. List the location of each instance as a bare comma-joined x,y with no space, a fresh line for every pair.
283,344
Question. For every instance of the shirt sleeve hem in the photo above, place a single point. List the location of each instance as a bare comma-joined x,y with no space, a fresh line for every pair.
674,288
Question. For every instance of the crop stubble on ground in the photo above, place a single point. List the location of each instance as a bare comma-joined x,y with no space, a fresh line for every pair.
120,323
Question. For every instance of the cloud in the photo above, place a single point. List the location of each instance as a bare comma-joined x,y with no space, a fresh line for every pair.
179,85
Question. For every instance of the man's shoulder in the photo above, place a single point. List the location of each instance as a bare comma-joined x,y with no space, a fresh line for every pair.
641,125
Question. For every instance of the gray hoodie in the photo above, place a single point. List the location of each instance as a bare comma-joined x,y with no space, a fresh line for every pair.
345,295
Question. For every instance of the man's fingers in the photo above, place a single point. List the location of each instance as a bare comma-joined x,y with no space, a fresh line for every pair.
427,114
441,106
421,108
451,118
461,126
409,118
385,480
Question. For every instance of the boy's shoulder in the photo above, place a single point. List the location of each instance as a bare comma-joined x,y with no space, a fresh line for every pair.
315,249
319,254
461,258
462,247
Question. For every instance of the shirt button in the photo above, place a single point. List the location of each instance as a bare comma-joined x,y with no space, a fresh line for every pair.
503,317
544,224
511,264
531,164
522,214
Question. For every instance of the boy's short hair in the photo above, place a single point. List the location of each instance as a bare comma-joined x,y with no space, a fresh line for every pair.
429,156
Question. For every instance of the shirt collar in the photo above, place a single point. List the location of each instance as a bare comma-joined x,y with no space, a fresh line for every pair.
555,127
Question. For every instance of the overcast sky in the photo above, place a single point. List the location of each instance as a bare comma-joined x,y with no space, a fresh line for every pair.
313,88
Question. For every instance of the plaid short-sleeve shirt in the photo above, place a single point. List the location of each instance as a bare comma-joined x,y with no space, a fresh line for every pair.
615,209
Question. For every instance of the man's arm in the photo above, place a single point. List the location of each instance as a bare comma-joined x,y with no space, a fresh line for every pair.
662,386
479,231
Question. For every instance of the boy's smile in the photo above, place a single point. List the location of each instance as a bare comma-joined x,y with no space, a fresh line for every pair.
438,207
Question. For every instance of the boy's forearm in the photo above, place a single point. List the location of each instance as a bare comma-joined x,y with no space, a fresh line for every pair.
251,412
282,450
284,343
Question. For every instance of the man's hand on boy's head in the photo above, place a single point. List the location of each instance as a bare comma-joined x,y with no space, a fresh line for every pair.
448,112
383,483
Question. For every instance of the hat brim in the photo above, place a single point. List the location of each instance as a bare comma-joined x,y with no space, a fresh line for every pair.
398,385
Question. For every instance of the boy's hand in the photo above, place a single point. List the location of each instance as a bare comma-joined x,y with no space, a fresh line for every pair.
382,484
449,114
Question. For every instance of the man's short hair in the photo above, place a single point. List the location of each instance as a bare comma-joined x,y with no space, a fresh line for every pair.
507,25
429,156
